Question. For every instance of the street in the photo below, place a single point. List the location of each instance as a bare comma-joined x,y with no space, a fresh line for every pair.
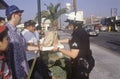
107,64
109,40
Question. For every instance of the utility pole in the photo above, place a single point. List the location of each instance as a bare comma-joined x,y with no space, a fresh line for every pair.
39,12
113,12
60,15
74,6
39,19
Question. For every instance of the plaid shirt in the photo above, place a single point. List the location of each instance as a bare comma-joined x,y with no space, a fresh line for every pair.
16,53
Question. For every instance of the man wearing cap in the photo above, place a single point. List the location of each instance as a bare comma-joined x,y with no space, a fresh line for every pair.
28,33
17,48
40,67
82,61
29,36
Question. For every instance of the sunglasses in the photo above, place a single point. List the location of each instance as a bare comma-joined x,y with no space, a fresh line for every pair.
18,13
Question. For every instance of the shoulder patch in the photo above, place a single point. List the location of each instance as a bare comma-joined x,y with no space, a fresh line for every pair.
74,44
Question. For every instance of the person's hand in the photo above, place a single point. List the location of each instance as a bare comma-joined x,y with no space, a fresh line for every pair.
40,46
56,48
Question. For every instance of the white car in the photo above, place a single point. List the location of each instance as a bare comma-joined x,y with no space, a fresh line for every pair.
92,32
103,28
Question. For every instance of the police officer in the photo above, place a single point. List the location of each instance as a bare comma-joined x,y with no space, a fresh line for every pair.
81,56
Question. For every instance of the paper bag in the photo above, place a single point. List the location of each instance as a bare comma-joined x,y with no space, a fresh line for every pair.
51,39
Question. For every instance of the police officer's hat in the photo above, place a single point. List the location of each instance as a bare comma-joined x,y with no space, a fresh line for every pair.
74,21
75,17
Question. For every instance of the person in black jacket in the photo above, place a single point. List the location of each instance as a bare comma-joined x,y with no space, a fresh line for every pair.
82,61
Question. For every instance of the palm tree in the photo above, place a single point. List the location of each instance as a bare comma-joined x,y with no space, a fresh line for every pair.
53,14
44,14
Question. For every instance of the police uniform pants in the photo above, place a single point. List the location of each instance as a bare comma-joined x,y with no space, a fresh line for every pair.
82,68
78,72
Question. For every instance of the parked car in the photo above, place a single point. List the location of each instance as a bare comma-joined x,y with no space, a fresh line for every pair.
92,32
103,28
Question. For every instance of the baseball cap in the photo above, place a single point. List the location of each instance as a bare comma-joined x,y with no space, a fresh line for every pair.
1,18
12,9
29,23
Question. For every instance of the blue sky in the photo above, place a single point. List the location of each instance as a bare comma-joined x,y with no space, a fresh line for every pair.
90,7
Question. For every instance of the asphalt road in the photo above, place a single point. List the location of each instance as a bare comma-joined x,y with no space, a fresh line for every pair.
109,40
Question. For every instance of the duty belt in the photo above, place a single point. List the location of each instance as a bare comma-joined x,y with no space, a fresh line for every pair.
86,64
